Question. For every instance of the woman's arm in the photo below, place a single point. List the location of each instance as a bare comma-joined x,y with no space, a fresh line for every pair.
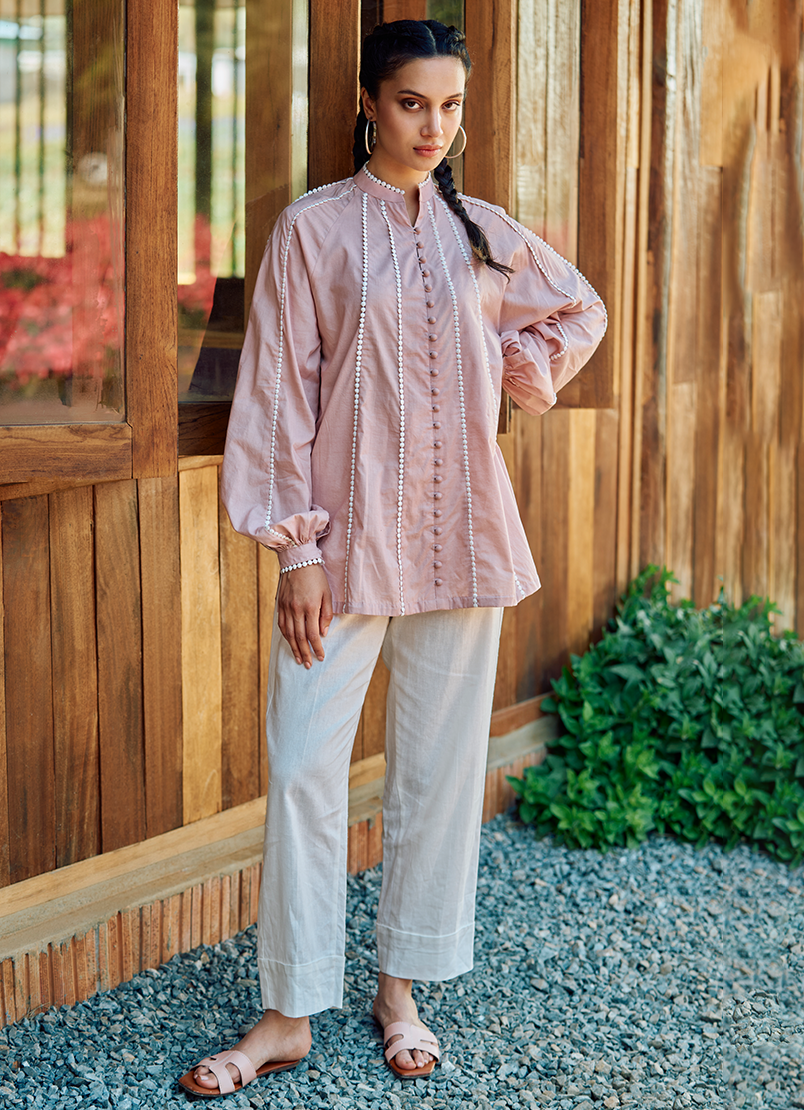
266,482
552,321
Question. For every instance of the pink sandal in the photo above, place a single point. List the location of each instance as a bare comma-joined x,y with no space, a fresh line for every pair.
226,1085
412,1037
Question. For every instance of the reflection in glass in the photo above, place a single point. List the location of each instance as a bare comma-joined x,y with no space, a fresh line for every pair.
61,211
211,196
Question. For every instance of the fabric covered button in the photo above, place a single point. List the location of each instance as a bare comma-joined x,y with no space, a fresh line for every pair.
437,496
438,478
425,273
436,531
422,259
437,512
433,354
432,338
436,408
436,546
431,304
428,288
435,392
431,319
437,565
419,243
437,423
437,444
438,462
437,582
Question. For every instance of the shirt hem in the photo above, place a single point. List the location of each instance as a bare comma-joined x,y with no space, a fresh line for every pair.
431,605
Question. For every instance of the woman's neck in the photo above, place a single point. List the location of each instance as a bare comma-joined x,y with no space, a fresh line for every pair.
408,183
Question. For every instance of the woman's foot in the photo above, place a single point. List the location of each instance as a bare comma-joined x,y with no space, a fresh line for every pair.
394,1002
274,1037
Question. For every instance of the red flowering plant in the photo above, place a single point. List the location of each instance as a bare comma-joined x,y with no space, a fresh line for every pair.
61,317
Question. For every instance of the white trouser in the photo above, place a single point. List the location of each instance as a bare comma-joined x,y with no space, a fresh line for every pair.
442,668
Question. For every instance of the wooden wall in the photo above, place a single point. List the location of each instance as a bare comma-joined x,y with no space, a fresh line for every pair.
135,625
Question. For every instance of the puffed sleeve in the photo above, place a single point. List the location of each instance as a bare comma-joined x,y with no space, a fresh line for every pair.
265,481
551,322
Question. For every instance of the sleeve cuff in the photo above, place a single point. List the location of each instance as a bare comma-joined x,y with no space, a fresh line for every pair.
305,553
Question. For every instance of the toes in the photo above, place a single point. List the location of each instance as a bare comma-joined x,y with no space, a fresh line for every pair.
206,1078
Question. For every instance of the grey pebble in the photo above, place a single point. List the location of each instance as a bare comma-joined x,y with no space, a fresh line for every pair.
658,978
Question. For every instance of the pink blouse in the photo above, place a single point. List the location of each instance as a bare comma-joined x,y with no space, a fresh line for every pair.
363,426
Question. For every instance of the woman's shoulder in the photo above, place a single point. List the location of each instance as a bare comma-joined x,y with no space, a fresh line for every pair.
319,198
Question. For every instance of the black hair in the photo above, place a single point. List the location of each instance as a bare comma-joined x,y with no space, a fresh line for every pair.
387,49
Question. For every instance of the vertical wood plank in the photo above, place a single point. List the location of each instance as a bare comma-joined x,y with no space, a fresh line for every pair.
119,615
161,646
708,392
254,892
370,738
403,9
75,675
581,538
28,688
151,260
267,584
171,927
374,841
84,986
528,444
240,667
9,1005
756,527
601,182
269,86
357,847
554,568
490,108
200,643
681,496
91,957
334,63
782,535
606,583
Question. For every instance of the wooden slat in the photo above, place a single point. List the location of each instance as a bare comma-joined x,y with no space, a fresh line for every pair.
607,584
755,537
681,493
554,568
75,675
708,398
799,540
119,616
161,647
508,657
269,69
370,741
151,246
240,666
403,9
652,389
267,583
581,539
604,98
334,62
530,647
81,451
200,643
490,116
28,688
782,535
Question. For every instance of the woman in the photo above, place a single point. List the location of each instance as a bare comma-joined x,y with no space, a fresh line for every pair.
388,314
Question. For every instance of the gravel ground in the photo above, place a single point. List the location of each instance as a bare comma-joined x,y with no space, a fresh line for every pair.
655,977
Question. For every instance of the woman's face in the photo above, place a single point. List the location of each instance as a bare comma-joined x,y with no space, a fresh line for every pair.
418,112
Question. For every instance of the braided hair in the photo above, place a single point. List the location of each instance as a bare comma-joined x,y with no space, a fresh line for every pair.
387,49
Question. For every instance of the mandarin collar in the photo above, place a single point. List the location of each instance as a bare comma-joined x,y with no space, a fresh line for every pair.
376,188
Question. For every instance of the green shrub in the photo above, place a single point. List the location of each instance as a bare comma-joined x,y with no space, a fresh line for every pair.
680,721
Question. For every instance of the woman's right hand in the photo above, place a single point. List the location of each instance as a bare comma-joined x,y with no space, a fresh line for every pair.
304,611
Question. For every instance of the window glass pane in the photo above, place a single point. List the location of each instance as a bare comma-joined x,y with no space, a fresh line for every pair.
62,81
212,36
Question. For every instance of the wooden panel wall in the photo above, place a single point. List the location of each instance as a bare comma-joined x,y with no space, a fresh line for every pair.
128,609
720,378
135,625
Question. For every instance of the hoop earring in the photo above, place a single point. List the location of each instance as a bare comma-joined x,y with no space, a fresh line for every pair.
369,148
463,148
